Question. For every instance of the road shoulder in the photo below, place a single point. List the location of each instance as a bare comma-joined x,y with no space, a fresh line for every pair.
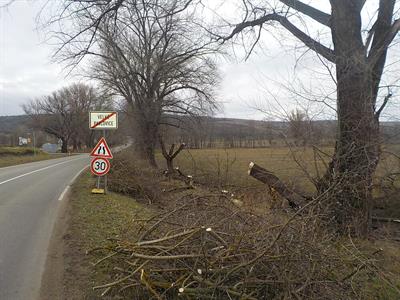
84,222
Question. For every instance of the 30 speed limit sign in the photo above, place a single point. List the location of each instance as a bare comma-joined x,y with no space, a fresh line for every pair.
100,166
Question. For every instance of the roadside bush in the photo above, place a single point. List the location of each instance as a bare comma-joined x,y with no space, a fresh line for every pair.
18,151
132,176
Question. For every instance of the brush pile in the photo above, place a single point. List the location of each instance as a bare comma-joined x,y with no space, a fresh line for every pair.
206,248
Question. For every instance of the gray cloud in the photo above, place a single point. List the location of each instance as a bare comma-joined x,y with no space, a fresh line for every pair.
26,71
25,68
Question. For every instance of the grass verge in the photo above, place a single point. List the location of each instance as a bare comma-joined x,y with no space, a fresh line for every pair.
10,156
92,220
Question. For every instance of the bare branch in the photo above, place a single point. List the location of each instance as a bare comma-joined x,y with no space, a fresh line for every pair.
306,39
309,11
385,102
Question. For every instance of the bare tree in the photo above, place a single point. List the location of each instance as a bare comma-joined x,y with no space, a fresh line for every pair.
154,55
359,56
64,113
299,126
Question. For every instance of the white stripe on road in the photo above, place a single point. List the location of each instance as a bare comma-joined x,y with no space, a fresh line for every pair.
70,183
32,162
38,170
63,193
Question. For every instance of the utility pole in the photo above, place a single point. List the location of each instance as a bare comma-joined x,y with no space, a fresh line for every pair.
34,143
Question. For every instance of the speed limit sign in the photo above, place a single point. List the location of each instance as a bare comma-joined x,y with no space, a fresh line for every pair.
100,166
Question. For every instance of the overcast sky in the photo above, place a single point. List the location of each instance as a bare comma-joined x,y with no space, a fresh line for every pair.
26,71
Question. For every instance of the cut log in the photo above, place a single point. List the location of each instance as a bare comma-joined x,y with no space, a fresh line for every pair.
295,200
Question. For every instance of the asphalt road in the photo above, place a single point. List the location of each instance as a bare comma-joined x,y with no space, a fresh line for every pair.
29,199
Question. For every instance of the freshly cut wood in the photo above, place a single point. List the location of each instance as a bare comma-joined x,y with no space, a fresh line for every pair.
295,200
382,219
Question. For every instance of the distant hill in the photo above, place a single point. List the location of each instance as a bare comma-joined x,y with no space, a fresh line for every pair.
227,127
9,123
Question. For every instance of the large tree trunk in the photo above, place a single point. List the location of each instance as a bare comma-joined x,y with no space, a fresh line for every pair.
357,149
64,146
146,129
356,156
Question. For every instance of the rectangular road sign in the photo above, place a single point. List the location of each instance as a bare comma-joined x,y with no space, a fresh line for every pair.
103,120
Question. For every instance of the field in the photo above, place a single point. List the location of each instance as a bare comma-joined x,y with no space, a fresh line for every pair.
296,165
10,156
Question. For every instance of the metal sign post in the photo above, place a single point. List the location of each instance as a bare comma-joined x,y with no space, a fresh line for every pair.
105,176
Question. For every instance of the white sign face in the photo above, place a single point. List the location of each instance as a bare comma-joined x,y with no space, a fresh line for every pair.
22,141
103,120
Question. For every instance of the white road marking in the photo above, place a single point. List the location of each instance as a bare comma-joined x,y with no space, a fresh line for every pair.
71,182
38,170
77,174
33,162
63,193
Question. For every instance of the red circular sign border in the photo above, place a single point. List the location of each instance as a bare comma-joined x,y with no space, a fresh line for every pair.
107,163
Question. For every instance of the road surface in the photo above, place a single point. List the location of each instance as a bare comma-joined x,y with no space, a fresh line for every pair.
29,198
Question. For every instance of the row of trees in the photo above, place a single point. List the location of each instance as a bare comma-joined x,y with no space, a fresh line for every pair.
64,114
208,132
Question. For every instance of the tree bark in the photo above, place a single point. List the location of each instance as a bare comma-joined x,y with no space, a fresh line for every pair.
146,129
357,149
356,156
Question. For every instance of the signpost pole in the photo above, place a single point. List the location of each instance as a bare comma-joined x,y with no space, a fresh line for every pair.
34,143
105,176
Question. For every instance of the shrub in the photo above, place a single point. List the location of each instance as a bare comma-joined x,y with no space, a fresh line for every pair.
132,176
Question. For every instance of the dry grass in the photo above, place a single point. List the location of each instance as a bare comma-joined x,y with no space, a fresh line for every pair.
18,151
10,156
228,167
296,165
336,267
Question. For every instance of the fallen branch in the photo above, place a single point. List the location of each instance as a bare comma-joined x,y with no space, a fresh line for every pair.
295,200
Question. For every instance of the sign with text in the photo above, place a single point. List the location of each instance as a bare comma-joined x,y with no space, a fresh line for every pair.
103,120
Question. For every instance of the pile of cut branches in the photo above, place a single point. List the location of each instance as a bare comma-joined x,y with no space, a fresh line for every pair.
206,248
